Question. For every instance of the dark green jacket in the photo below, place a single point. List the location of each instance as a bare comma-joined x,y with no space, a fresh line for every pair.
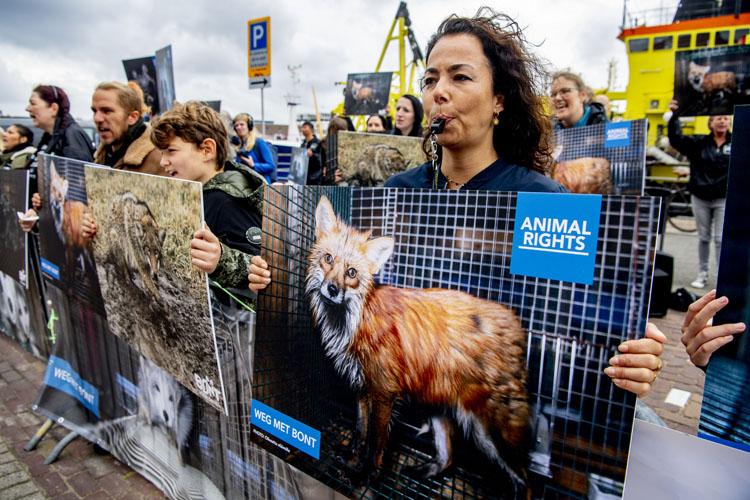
233,203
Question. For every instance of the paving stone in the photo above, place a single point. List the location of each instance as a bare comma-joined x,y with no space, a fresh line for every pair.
20,490
12,479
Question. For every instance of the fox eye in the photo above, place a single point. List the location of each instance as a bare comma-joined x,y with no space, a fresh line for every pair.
351,272
328,258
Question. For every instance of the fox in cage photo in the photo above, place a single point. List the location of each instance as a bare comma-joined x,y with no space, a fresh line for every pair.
445,349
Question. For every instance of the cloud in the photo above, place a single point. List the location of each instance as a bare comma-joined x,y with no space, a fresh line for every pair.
78,43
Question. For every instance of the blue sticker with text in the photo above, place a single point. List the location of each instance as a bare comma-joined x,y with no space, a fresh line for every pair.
50,269
284,427
62,377
555,236
617,135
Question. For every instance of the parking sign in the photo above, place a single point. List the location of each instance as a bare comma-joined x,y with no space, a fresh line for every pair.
259,52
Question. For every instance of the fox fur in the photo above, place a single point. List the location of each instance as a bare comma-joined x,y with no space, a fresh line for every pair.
136,241
438,347
67,216
584,175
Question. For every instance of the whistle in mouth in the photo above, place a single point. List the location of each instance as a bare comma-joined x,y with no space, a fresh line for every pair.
437,126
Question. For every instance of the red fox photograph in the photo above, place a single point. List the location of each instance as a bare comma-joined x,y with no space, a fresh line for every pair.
442,348
419,366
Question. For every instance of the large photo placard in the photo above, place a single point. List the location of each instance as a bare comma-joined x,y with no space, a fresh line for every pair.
607,158
154,298
712,81
368,160
67,257
399,353
366,93
725,413
14,195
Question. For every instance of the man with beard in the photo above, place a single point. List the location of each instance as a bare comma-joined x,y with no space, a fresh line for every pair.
125,137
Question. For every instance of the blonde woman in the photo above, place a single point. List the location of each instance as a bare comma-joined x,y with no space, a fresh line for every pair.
253,151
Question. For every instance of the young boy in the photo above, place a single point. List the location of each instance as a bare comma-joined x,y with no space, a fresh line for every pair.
193,141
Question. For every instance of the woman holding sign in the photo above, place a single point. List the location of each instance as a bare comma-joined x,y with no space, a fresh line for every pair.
490,132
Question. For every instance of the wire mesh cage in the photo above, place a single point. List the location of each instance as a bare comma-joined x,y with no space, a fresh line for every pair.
609,163
461,241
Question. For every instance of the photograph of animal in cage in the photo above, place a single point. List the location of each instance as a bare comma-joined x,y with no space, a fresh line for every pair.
607,158
368,160
13,199
66,256
155,299
298,166
407,360
366,93
712,81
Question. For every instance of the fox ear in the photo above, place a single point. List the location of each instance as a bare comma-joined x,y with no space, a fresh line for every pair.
325,218
378,252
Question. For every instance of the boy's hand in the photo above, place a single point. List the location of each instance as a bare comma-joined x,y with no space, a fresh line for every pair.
88,226
205,250
258,274
36,202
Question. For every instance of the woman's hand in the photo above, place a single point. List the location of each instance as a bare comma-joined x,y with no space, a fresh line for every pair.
700,338
205,250
88,226
248,161
258,274
36,202
640,362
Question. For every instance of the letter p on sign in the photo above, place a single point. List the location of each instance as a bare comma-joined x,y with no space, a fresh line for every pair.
258,40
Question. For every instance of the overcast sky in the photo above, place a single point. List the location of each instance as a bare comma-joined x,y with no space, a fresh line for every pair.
77,43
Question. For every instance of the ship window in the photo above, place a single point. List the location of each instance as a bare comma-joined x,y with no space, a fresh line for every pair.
662,42
740,36
721,38
701,39
683,41
639,45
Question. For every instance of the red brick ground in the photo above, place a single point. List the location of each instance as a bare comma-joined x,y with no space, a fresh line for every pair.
78,472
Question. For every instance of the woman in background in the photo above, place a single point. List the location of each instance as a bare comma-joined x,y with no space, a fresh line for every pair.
17,146
49,109
253,150
409,114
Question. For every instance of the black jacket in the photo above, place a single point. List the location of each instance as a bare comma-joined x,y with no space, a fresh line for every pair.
499,176
315,162
709,165
70,142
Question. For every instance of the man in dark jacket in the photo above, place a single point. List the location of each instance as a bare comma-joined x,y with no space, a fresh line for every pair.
313,145
125,137
709,167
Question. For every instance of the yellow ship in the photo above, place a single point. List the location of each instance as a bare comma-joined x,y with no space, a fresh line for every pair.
653,38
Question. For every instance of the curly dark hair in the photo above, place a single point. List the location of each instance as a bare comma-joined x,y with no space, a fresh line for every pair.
524,133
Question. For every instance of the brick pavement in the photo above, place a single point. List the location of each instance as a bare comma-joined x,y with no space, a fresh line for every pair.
78,472
678,373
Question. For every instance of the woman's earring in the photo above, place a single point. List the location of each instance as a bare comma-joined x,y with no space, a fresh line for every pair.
496,120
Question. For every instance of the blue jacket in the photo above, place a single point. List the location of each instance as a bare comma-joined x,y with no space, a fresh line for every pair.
262,157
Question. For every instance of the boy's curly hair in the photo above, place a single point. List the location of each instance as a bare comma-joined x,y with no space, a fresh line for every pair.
192,122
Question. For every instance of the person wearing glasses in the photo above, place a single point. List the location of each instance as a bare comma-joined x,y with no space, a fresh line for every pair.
571,105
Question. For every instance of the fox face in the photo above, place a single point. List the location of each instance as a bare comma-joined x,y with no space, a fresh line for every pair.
340,274
343,260
696,74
